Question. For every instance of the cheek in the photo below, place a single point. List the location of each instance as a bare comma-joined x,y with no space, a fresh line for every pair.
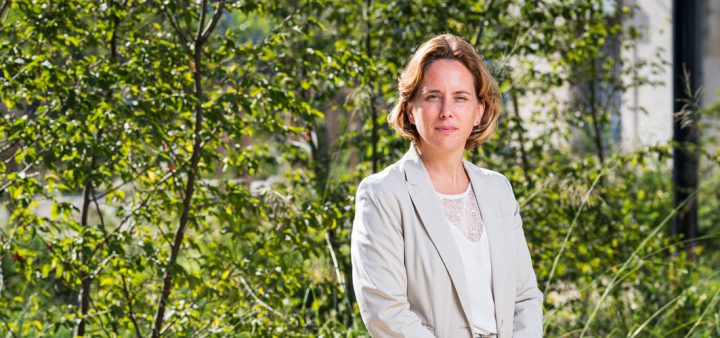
410,111
418,116
424,118
481,113
427,112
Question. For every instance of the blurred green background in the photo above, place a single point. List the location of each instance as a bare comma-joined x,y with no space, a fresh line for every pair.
188,168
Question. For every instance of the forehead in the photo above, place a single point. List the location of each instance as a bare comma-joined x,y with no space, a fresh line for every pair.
447,73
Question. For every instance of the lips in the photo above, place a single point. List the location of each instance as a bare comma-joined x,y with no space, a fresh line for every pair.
446,128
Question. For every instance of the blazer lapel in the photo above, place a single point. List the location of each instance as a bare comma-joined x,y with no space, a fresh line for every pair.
427,204
488,200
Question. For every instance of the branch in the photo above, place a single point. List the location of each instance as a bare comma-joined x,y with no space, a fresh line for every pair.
130,308
482,26
143,203
203,15
102,323
523,152
112,189
257,299
211,26
343,286
371,84
97,207
10,145
593,114
29,113
175,25
84,300
202,328
113,39
7,326
4,7
86,280
192,173
9,183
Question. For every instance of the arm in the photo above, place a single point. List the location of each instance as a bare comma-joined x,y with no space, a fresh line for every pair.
379,276
529,298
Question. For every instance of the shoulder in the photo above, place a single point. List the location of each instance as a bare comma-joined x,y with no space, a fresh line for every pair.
496,183
384,183
383,193
489,176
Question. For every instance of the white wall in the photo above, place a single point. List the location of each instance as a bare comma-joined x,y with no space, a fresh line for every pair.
653,125
711,52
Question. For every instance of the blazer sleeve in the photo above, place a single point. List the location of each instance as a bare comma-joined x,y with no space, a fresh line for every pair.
528,315
379,277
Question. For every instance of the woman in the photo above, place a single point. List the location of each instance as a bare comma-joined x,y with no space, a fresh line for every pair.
437,243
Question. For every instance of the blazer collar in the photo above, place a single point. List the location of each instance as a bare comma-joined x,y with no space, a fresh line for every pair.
487,193
427,204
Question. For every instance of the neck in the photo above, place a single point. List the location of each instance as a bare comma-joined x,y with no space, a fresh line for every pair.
445,169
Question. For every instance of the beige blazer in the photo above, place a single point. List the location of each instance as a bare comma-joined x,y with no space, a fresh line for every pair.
406,268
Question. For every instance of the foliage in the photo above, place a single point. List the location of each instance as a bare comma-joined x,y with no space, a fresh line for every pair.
152,159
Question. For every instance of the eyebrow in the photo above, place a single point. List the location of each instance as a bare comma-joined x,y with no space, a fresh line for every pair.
435,91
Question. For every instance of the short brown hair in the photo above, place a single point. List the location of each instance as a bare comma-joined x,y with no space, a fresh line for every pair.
447,47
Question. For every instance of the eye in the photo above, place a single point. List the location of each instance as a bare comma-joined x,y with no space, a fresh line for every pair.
432,97
461,98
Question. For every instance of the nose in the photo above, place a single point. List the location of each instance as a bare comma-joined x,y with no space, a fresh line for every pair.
446,110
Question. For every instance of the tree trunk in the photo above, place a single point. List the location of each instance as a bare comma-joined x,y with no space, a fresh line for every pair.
521,138
373,112
193,175
686,136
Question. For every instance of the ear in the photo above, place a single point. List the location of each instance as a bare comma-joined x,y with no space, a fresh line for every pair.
480,113
410,113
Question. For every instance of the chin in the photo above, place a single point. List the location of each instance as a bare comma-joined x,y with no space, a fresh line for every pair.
449,146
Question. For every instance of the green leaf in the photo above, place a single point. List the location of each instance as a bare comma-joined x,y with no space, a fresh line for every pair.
54,211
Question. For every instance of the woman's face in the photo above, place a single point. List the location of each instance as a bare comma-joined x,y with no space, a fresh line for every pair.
445,108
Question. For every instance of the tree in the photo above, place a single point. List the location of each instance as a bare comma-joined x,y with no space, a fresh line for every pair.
188,168
686,135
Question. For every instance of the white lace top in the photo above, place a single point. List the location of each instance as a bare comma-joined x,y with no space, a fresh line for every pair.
466,224
463,212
